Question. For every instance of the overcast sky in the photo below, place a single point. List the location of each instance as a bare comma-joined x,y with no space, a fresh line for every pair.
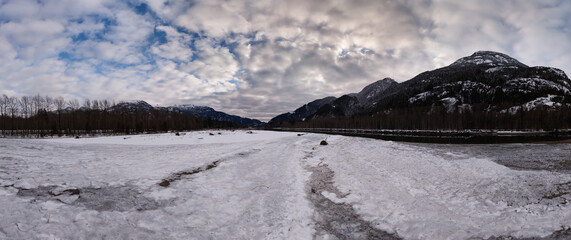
259,58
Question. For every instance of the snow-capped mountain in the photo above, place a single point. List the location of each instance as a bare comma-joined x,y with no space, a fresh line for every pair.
487,80
209,113
202,112
488,58
133,106
373,90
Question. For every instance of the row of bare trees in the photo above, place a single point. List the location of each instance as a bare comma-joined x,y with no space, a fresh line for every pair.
43,115
28,106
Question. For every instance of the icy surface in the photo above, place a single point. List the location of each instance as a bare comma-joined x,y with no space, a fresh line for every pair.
272,185
257,191
419,193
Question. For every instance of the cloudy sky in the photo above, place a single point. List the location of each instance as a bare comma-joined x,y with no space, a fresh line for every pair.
259,58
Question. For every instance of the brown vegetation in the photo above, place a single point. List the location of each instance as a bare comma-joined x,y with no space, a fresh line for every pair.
433,118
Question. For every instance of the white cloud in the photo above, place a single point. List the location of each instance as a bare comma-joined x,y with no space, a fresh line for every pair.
7,52
214,65
87,26
31,32
21,9
260,58
216,19
168,9
131,28
177,46
528,30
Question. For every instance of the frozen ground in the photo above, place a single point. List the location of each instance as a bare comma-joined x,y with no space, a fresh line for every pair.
278,185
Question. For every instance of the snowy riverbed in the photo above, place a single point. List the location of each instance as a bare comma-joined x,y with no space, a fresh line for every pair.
277,185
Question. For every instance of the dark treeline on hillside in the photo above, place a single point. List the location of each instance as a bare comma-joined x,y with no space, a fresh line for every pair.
48,116
433,118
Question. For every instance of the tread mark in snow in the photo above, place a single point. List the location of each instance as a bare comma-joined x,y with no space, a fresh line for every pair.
338,219
179,175
109,198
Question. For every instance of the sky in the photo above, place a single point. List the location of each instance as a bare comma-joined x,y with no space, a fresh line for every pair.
259,58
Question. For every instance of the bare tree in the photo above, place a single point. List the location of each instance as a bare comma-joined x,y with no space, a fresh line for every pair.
87,104
59,104
49,103
73,104
106,105
37,103
4,106
25,103
12,103
95,105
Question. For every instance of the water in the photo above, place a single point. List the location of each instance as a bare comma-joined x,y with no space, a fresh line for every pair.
549,157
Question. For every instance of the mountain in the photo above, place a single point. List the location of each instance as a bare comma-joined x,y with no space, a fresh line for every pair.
302,112
488,59
197,111
489,81
485,78
373,90
209,113
346,105
133,107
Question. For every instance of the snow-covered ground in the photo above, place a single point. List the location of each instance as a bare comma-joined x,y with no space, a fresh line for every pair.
275,185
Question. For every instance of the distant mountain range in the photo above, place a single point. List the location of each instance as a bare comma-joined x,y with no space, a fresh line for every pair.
486,81
209,113
490,80
201,112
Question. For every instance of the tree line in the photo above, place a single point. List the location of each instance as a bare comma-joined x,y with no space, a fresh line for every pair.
439,118
48,116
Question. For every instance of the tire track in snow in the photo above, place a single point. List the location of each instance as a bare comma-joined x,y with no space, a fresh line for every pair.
337,219
123,198
179,175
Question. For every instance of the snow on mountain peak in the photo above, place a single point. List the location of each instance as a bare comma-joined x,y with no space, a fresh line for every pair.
489,58
190,106
140,104
374,89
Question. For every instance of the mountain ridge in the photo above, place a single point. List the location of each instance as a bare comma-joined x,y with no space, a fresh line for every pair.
206,112
486,81
202,112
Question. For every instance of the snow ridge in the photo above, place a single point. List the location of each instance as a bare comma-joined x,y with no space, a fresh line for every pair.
487,58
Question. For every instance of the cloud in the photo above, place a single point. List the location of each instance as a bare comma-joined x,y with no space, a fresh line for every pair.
200,18
19,9
258,58
177,46
7,51
529,30
29,34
